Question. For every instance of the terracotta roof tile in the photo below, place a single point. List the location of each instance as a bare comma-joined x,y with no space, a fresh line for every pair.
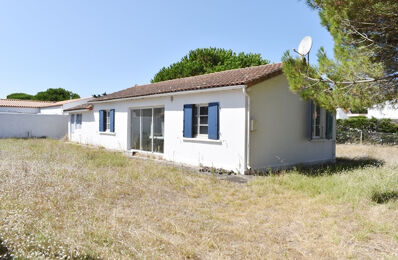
24,103
80,107
35,103
244,76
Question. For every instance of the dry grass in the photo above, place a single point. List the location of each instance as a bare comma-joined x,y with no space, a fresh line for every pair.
62,200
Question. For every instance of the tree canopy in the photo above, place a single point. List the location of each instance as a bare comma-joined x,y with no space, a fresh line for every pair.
55,94
51,94
208,60
364,70
22,96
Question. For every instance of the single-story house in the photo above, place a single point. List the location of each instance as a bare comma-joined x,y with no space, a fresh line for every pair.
386,110
29,118
241,120
39,107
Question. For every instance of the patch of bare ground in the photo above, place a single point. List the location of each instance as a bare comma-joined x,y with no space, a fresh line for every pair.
63,200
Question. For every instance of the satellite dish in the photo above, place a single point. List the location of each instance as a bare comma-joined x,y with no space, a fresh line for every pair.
304,46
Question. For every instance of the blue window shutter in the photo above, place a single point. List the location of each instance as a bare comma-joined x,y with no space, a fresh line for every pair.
72,119
102,120
309,123
329,125
112,120
188,116
214,121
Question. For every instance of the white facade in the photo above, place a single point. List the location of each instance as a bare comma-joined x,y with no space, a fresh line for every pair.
20,125
28,110
280,136
386,110
260,127
54,110
229,149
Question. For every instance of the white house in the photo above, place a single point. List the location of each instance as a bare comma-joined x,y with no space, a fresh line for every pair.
386,110
240,120
27,118
39,107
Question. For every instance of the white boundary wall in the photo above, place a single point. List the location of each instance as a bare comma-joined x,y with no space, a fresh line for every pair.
18,125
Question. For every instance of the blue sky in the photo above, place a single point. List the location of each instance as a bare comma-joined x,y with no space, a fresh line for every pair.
94,46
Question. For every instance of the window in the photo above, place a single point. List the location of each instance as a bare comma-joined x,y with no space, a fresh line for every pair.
72,123
201,121
316,122
75,122
147,129
107,120
78,121
321,122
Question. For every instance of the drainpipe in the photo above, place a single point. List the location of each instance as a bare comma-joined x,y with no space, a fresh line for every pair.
247,131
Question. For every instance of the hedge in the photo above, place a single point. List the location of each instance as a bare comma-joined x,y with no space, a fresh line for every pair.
374,131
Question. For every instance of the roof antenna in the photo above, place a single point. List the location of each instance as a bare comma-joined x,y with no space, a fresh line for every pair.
304,48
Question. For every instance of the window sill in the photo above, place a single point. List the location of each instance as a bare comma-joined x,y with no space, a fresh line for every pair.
320,140
107,133
201,140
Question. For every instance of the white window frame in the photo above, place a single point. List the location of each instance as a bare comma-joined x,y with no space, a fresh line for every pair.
152,136
197,118
75,126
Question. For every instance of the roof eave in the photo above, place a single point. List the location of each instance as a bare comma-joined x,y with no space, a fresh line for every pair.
183,92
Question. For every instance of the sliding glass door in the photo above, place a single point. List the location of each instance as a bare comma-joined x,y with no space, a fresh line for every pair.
147,129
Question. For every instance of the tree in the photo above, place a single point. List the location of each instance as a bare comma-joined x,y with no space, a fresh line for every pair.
365,66
207,60
22,96
55,94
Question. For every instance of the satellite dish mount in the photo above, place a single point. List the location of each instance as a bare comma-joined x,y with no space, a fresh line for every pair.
304,48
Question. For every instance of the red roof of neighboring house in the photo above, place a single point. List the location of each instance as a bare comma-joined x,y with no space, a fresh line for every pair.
34,103
243,76
24,103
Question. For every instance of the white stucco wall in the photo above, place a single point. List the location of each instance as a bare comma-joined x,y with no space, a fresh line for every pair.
17,125
280,135
29,110
55,110
384,111
227,153
59,110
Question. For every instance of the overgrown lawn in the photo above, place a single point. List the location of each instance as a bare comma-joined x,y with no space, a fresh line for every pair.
61,200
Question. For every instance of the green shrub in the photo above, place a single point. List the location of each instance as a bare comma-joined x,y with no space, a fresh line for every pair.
374,131
365,124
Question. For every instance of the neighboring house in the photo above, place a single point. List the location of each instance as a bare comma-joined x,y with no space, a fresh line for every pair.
387,110
39,107
59,107
22,106
240,120
27,118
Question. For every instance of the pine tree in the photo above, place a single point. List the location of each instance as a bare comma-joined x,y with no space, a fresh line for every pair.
364,70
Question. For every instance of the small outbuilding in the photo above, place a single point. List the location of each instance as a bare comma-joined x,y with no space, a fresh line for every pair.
241,120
